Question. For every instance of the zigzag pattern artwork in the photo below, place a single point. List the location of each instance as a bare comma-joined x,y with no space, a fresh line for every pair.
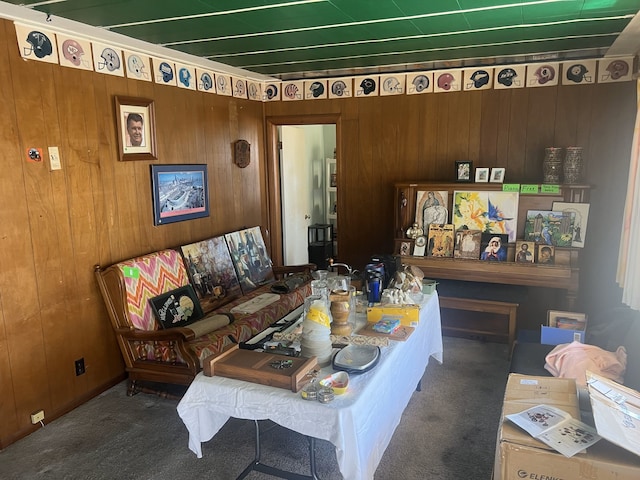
156,273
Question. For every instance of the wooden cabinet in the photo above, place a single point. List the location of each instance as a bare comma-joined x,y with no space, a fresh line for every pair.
564,274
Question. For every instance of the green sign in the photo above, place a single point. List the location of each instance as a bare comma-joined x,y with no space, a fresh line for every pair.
549,188
531,189
132,272
511,187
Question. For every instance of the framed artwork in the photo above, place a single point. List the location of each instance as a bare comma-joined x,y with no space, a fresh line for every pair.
250,258
497,175
567,320
177,308
440,240
549,227
525,251
467,244
431,207
136,128
546,254
463,171
404,247
179,192
494,247
581,211
487,211
211,271
420,245
482,174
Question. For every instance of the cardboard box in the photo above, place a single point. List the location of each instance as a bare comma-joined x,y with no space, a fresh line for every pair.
520,456
558,336
409,315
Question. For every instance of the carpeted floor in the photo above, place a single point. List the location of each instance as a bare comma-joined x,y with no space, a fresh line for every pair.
447,432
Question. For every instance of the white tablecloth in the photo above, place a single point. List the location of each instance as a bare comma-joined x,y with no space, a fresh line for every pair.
359,423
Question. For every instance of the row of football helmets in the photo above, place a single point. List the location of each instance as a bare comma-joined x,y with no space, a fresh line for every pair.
47,46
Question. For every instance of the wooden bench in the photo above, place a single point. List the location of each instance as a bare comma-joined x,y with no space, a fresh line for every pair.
487,306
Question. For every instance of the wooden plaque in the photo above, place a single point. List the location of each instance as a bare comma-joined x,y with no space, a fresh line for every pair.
256,367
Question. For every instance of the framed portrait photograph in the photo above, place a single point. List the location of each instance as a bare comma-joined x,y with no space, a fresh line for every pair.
179,192
136,128
497,175
463,171
482,174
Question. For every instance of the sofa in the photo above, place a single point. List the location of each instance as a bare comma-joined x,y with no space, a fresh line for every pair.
224,272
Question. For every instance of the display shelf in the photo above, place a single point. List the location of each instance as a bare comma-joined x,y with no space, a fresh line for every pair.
331,198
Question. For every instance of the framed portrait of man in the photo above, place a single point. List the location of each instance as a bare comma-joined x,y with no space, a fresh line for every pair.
135,118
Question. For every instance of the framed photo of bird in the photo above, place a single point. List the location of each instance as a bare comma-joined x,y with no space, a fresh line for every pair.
487,211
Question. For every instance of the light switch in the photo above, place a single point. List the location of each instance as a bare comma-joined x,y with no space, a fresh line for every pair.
54,158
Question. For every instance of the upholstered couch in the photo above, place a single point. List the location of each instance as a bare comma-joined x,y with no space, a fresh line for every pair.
155,356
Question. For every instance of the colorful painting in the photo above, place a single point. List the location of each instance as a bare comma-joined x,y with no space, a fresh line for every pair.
549,227
581,211
431,207
490,212
440,240
211,271
467,244
250,257
494,247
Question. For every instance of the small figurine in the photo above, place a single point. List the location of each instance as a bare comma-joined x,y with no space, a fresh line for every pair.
414,231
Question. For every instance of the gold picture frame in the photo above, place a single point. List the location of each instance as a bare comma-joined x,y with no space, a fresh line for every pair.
135,128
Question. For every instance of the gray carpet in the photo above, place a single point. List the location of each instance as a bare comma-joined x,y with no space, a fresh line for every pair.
448,431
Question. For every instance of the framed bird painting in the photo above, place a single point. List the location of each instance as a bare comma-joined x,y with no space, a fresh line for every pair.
487,211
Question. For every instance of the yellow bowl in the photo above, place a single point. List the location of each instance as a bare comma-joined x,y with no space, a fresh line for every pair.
338,381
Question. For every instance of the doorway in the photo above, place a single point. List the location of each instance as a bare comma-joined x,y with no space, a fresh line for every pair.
298,151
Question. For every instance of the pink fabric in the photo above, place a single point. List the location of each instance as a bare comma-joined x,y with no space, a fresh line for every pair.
572,360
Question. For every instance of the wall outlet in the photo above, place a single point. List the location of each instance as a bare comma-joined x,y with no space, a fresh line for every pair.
37,417
79,366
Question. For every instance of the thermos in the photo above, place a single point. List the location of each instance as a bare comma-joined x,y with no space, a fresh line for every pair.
374,278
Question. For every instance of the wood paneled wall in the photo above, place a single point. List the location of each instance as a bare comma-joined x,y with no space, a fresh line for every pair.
419,138
56,225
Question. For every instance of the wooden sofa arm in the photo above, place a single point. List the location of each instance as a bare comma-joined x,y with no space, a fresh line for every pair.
178,334
173,339
284,270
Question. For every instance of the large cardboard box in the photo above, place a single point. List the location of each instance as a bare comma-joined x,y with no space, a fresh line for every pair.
520,456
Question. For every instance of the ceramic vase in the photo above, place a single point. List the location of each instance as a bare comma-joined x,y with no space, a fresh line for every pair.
552,165
572,166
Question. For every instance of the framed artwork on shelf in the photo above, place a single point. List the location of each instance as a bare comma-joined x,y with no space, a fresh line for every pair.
467,244
482,174
404,247
420,245
431,207
463,171
581,211
440,240
525,251
546,254
179,192
549,227
494,247
487,211
497,175
136,128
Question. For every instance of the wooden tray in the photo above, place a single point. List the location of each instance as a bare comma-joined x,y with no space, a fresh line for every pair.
252,366
401,334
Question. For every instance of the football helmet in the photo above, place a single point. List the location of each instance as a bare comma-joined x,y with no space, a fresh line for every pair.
368,85
253,91
241,88
338,87
445,80
167,72
617,69
222,83
72,51
577,73
291,90
506,76
271,91
420,82
185,77
110,60
391,85
317,89
480,78
206,81
545,73
135,66
39,43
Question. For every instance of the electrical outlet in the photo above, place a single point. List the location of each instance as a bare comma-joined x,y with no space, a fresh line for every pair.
79,366
37,417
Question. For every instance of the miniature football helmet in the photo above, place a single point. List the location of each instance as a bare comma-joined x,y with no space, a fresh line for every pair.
618,69
271,91
391,85
480,78
545,73
185,76
110,60
135,66
317,89
577,73
368,85
506,76
420,82
39,43
338,87
72,51
445,80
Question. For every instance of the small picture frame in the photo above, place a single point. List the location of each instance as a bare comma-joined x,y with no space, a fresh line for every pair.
463,171
546,254
566,320
333,180
497,175
482,174
177,308
525,251
136,128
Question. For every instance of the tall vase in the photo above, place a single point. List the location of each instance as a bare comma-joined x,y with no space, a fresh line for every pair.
552,165
572,167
